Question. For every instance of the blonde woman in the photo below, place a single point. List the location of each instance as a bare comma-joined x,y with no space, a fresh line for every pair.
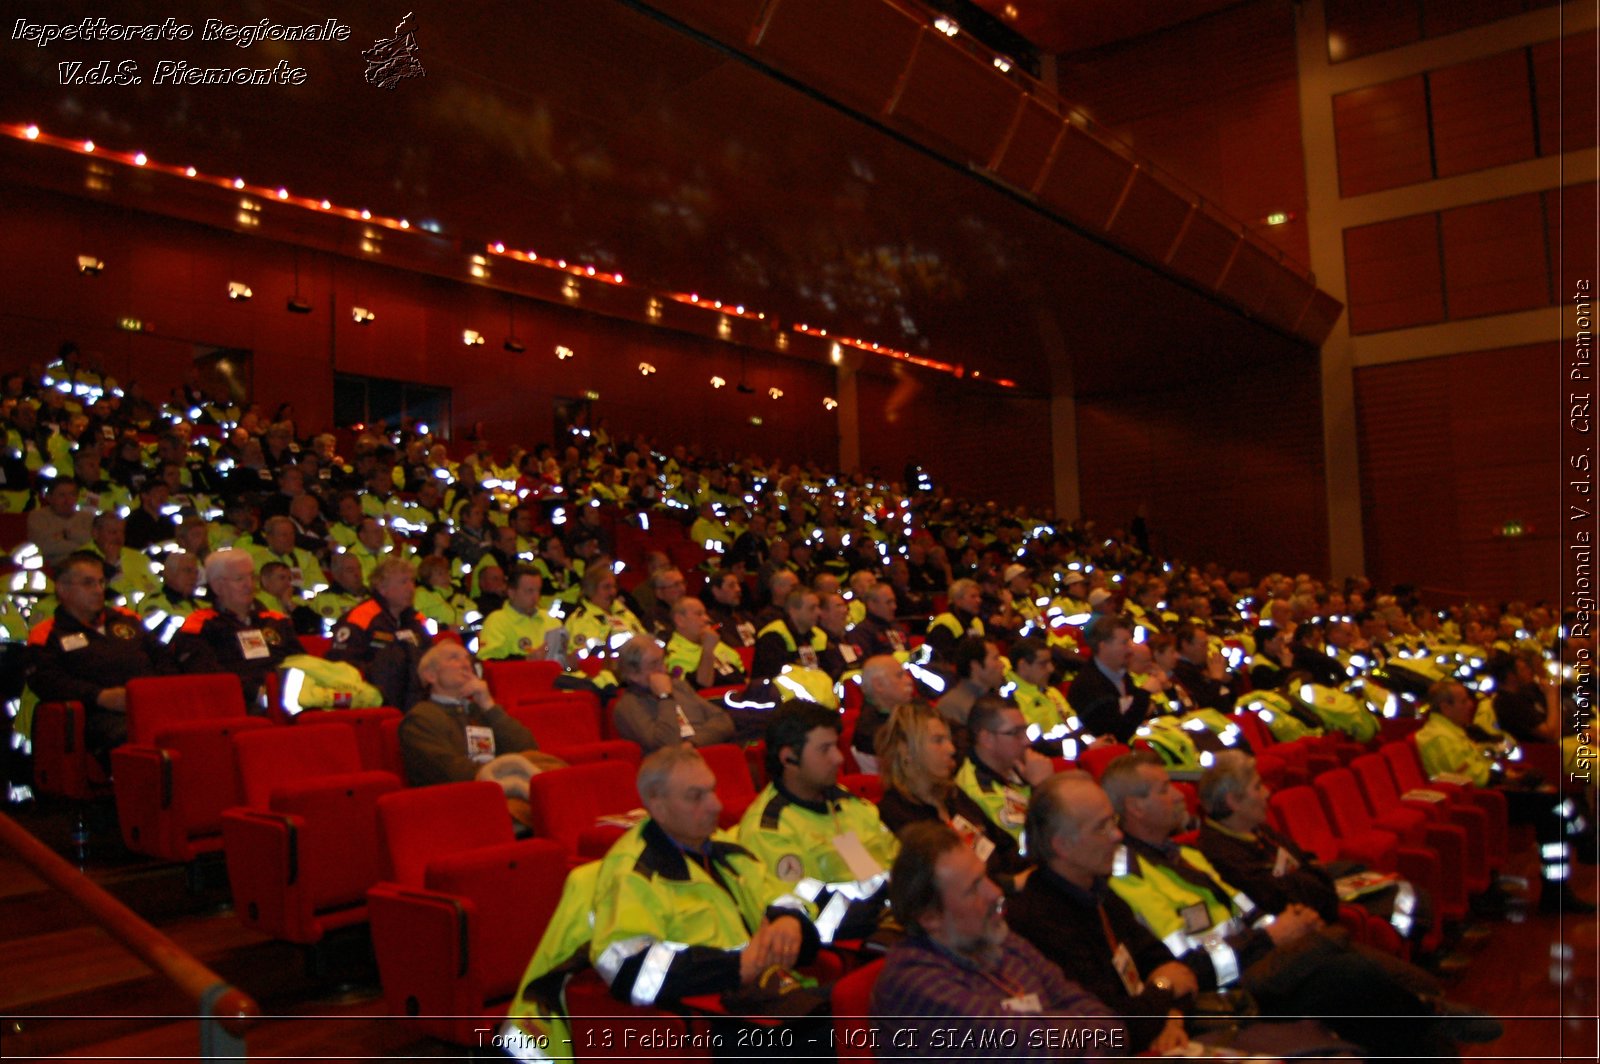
917,761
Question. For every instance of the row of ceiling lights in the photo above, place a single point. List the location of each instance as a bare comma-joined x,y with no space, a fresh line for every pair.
653,308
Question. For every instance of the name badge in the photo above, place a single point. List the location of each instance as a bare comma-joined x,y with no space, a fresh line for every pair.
1015,809
253,645
808,657
74,641
685,729
480,743
861,863
747,633
848,652
1122,961
973,837
1284,863
407,636
1196,918
1026,1004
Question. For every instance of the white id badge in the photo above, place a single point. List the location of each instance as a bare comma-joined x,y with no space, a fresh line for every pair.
808,657
856,858
74,641
1284,863
1122,961
685,729
1027,1004
973,836
1015,810
253,645
1196,918
480,743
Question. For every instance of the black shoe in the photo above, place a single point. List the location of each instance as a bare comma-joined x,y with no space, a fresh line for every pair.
1462,1023
1562,899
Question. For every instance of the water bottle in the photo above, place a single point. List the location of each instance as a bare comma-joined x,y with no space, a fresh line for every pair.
80,840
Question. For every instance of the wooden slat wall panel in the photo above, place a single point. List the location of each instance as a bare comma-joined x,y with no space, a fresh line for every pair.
1230,471
1361,27
850,49
1494,257
729,20
1392,274
1482,113
1451,448
1085,180
1381,135
1238,142
1204,250
1150,217
1440,17
983,446
1564,77
1248,281
1025,154
1570,228
956,101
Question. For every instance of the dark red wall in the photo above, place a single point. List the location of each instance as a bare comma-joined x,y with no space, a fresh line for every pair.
1237,141
1451,449
1231,470
1501,109
977,443
1486,258
173,275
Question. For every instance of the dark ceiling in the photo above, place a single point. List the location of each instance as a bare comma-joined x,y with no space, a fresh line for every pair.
593,130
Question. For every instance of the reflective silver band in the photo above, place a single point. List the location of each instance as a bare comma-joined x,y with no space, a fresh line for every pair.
653,972
610,962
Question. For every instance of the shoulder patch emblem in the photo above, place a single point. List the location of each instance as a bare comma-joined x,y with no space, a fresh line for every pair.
342,634
789,868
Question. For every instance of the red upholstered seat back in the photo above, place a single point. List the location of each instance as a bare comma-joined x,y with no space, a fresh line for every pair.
514,889
417,825
155,703
1094,759
563,802
1299,811
516,681
734,785
267,758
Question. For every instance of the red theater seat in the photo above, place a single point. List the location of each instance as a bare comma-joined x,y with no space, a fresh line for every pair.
1406,768
852,1001
461,908
175,775
734,786
61,765
566,804
1348,812
1467,825
302,849
513,682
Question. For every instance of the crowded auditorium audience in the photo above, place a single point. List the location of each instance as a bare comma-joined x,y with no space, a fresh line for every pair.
1034,685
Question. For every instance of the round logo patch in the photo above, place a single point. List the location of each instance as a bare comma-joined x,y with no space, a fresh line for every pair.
790,868
524,644
122,631
272,636
342,634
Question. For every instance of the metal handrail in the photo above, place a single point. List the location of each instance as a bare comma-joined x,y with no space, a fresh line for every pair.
226,1012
